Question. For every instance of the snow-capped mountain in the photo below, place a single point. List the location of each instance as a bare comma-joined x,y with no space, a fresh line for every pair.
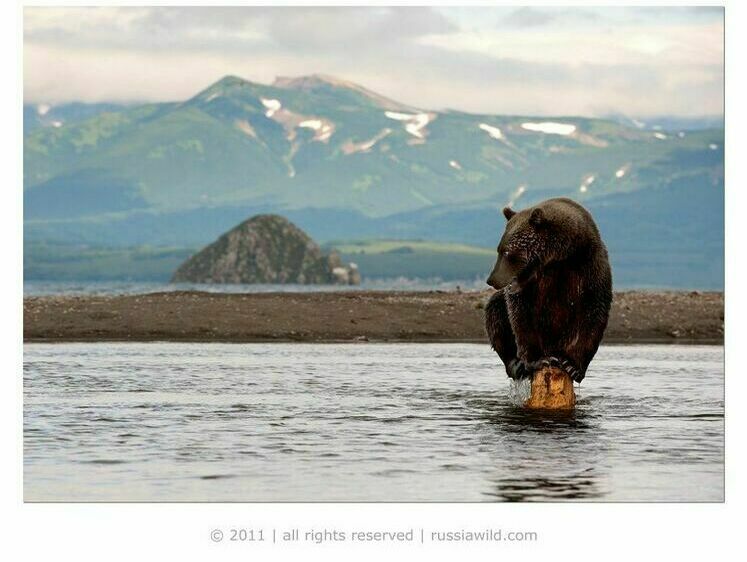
345,162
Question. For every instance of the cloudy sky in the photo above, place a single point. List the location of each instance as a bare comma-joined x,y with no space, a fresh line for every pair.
541,61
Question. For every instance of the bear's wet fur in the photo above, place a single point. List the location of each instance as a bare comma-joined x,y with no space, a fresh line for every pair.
554,290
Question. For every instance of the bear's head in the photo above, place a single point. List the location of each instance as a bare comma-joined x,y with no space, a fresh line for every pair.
556,230
520,250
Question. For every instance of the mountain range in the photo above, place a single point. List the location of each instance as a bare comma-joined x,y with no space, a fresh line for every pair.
345,163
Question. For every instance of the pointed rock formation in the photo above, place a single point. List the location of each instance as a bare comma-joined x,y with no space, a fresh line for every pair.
265,249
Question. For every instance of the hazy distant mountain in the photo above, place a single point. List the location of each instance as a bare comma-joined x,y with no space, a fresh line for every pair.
46,115
670,122
344,162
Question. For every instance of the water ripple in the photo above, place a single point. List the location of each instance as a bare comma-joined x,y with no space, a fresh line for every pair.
389,422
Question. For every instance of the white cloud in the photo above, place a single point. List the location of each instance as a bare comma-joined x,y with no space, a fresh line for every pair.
485,60
663,45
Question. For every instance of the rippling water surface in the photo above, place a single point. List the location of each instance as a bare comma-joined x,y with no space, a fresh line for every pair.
371,422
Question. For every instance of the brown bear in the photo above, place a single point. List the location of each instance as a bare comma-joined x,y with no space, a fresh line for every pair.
554,288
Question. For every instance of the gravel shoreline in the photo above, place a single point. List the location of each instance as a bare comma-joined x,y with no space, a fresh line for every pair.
434,316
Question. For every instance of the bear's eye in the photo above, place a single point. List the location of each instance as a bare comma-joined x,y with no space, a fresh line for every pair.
511,257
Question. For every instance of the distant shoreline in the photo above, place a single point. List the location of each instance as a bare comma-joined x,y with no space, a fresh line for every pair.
638,317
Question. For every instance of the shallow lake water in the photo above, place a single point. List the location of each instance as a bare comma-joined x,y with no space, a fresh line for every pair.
109,288
363,422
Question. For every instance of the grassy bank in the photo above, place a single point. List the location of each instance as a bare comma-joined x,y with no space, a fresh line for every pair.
376,259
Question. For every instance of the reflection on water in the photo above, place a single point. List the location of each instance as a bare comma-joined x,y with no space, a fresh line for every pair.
534,438
574,487
370,422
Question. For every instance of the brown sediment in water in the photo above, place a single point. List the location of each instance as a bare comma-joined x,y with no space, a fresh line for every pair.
346,316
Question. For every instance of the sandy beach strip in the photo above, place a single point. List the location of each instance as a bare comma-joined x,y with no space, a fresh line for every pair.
637,317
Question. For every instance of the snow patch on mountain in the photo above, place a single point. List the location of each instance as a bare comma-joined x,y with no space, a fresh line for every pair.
494,132
212,96
516,194
620,173
660,136
325,132
322,128
272,106
586,183
713,146
454,164
550,128
315,124
415,123
42,109
398,116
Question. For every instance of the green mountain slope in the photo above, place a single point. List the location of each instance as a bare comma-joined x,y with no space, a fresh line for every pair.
346,163
228,145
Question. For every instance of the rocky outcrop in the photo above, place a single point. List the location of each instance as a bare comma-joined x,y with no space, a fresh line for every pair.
266,249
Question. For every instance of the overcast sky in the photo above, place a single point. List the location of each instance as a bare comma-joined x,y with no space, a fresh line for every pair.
540,61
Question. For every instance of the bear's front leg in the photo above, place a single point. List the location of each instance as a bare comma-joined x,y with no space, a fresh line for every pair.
502,337
576,374
517,370
528,349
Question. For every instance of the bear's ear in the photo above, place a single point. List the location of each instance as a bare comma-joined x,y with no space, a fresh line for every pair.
508,212
537,217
